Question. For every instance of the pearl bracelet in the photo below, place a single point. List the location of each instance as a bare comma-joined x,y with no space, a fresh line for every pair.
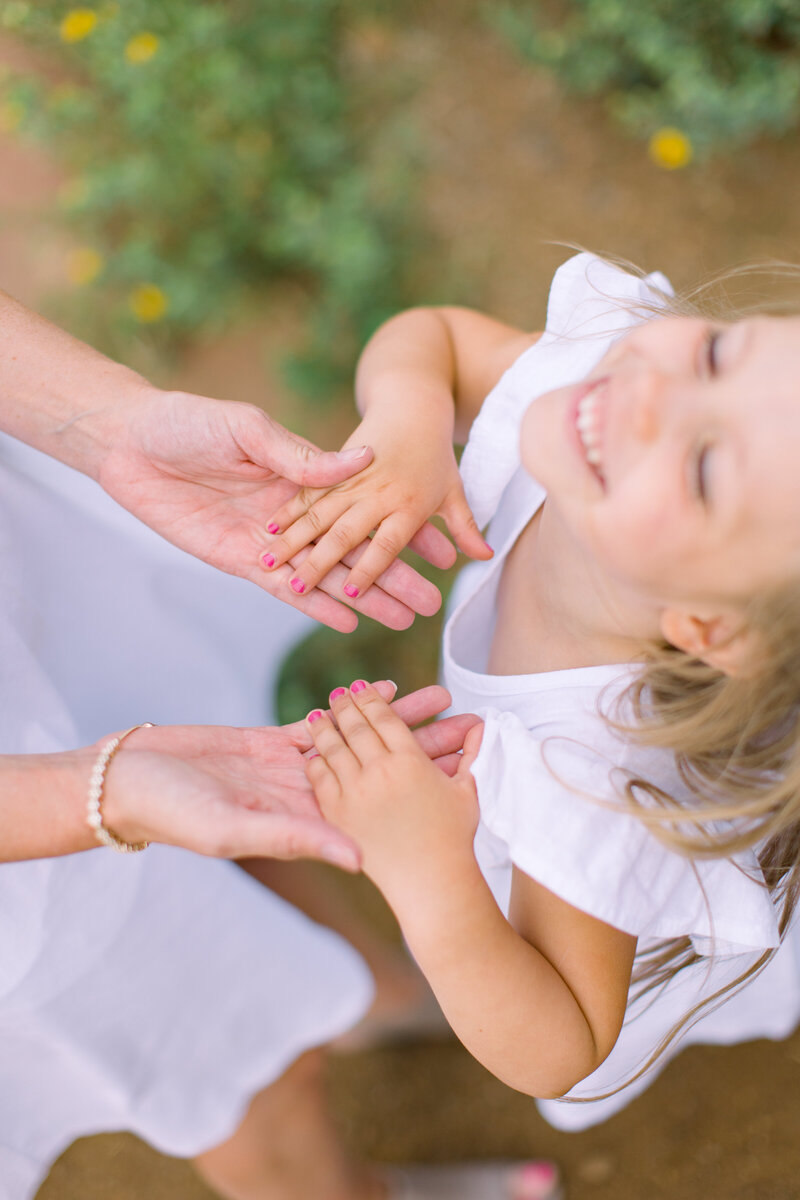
94,813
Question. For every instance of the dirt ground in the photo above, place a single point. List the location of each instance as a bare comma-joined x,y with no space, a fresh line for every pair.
511,165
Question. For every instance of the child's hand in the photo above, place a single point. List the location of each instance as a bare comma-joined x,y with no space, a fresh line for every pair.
373,781
409,480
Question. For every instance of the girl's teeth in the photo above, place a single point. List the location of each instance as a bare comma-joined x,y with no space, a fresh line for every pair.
587,423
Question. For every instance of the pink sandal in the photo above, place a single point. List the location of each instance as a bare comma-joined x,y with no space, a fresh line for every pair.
536,1179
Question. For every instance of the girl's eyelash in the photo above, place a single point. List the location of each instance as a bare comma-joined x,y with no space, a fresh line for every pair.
712,340
698,471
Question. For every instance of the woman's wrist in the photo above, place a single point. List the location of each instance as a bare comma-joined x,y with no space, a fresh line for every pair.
60,395
43,803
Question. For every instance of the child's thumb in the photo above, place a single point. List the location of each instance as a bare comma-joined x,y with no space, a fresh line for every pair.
463,529
472,744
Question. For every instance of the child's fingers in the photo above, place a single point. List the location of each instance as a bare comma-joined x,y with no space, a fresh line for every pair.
399,580
391,536
354,727
462,526
293,509
378,603
345,535
332,510
327,788
330,744
391,729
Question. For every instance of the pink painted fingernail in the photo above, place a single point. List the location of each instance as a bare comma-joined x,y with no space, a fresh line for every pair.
337,692
297,585
314,715
268,560
358,686
273,528
351,591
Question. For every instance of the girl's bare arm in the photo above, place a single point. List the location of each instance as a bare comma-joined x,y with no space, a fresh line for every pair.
539,998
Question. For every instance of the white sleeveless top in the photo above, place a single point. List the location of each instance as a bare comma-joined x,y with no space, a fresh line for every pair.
550,769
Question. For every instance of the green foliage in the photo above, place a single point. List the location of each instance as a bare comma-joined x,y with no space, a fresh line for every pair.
214,148
721,71
326,660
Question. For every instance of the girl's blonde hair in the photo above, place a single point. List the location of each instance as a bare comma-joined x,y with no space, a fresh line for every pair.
736,740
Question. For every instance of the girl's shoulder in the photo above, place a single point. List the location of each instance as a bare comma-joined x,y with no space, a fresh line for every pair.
553,803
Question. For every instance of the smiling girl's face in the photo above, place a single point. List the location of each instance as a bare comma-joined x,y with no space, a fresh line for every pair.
675,466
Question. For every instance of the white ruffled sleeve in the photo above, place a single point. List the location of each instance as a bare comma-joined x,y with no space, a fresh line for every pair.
549,806
591,304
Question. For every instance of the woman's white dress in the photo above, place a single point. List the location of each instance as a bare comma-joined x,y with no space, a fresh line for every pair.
549,768
155,992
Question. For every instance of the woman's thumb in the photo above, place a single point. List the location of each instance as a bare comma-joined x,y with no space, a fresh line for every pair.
300,461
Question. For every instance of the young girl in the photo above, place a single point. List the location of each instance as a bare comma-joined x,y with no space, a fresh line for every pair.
629,646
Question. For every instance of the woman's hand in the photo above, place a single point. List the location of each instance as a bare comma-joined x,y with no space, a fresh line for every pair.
206,474
412,476
233,793
375,782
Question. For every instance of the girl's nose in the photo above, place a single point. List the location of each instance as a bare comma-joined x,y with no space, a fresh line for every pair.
645,409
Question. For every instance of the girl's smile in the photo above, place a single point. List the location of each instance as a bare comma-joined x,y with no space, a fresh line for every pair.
688,490
587,415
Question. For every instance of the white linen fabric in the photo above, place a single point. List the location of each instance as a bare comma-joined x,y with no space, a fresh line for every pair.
550,767
155,992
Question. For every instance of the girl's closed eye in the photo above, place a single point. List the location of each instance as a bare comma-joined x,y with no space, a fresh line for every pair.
711,352
699,472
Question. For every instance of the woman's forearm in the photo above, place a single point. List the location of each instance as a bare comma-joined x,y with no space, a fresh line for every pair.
43,804
57,393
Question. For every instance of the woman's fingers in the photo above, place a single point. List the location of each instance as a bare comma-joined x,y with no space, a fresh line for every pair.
399,580
432,545
378,603
447,736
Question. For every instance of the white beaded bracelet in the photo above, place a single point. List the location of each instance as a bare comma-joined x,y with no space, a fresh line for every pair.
94,813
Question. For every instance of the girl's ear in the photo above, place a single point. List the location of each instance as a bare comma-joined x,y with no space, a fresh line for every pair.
723,640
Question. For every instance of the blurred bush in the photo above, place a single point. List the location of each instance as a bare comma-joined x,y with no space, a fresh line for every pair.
215,147
687,74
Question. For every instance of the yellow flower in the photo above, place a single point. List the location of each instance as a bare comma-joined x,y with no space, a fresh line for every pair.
148,303
84,264
11,114
140,49
77,24
670,149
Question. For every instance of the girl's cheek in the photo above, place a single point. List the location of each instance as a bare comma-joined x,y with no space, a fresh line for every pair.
530,437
